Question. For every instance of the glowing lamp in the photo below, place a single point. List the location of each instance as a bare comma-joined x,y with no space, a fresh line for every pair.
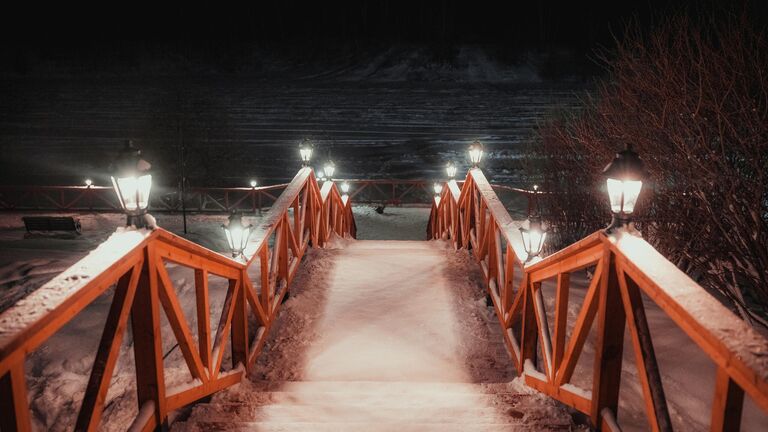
132,182
533,237
329,169
88,182
305,151
438,188
475,153
345,188
624,178
237,234
450,169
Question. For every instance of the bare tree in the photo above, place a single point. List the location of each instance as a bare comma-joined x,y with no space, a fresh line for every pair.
692,99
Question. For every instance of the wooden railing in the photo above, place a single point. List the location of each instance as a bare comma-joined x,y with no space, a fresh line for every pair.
624,266
134,262
222,200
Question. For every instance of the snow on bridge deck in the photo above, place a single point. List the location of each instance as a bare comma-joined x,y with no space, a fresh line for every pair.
383,335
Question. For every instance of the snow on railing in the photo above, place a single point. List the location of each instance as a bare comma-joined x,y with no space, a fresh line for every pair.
135,263
623,266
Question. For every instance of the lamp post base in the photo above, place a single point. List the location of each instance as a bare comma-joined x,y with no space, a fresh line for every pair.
619,221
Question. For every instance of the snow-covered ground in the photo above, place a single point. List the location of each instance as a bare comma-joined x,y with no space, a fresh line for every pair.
59,369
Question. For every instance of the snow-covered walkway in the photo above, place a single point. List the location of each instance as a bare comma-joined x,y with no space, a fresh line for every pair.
383,335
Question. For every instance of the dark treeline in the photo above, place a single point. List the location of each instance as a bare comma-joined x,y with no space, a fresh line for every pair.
84,38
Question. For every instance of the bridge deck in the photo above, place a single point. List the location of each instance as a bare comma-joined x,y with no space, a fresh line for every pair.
388,333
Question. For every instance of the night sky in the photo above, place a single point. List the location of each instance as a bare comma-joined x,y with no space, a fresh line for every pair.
104,35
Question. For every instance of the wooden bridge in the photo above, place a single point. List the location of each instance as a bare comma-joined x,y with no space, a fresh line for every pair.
467,215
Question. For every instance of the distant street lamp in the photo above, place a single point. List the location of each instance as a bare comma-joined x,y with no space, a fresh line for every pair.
345,188
535,234
305,150
624,177
237,234
132,182
475,153
438,188
88,182
329,169
450,169
253,184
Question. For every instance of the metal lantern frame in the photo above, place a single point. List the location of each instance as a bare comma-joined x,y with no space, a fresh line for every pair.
536,234
476,153
624,181
306,148
237,242
132,181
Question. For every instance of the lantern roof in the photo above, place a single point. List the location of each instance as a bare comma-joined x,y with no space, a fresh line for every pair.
129,161
627,165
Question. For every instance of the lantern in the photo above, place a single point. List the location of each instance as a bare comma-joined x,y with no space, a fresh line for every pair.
237,234
624,178
345,188
329,169
88,182
253,183
132,182
438,188
535,234
450,169
305,151
475,153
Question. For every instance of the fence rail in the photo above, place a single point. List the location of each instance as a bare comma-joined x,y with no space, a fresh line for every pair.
134,263
391,192
624,267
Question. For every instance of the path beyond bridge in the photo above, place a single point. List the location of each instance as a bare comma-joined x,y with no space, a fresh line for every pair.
383,335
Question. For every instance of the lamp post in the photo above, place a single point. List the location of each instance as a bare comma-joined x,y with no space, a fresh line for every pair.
345,188
88,182
535,234
475,153
253,184
624,178
450,169
305,151
132,182
237,234
329,169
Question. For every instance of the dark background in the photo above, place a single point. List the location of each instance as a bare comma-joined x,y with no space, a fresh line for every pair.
386,89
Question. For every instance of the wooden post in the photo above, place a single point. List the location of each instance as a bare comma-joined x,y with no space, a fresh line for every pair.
561,320
610,343
529,332
14,407
203,319
728,403
147,342
240,324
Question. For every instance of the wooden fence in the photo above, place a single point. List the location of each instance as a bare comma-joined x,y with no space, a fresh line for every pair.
624,267
134,262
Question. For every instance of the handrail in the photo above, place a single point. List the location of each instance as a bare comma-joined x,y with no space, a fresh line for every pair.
221,200
134,261
625,266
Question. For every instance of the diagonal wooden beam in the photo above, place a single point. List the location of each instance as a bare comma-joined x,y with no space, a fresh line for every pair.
109,348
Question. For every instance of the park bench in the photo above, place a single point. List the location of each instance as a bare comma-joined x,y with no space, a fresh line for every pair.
51,223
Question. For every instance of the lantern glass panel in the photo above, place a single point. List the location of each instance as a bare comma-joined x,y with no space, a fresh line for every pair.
133,191
533,241
329,170
623,194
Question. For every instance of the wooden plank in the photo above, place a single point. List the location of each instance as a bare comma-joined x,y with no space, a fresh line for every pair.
178,323
606,380
220,342
727,404
645,357
203,307
187,396
528,332
691,308
240,326
574,262
147,338
580,328
545,340
561,319
563,395
109,348
14,406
